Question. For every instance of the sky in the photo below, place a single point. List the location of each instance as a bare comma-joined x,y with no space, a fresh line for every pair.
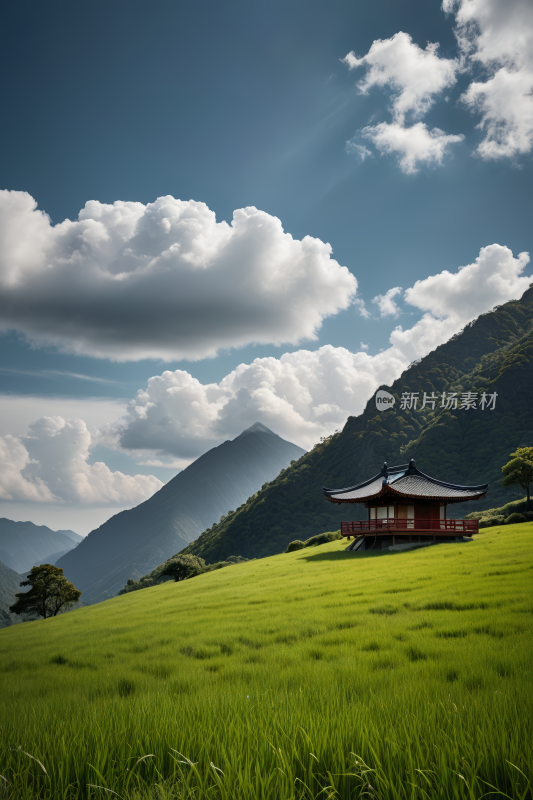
213,214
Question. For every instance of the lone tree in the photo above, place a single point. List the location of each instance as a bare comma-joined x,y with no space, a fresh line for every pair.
50,593
519,470
183,567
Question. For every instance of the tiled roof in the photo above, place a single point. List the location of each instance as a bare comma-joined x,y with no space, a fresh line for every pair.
405,482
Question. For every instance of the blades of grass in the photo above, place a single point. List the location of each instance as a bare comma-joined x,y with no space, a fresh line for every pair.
94,786
148,755
35,759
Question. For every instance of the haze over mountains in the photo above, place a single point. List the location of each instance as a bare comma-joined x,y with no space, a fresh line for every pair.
23,544
134,542
493,354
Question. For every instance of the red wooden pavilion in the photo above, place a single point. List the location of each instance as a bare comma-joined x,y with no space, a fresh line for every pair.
405,505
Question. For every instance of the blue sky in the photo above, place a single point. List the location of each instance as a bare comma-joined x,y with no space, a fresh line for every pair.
410,161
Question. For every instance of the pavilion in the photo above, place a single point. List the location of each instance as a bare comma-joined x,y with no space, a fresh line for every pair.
405,505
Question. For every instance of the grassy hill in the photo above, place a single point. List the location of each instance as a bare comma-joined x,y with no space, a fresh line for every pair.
493,354
278,678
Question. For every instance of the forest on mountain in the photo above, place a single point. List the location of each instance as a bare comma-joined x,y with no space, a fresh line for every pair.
493,354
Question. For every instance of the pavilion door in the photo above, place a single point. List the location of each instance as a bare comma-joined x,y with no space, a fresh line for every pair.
408,514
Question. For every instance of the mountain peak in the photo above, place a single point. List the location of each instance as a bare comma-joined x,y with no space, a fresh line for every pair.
257,427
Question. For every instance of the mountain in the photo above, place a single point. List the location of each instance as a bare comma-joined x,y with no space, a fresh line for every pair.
23,544
9,586
492,354
134,542
52,558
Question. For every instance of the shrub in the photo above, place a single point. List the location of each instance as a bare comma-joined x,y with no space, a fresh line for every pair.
296,545
182,567
322,538
513,518
490,521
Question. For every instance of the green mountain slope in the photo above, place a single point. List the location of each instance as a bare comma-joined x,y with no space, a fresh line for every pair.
493,354
134,542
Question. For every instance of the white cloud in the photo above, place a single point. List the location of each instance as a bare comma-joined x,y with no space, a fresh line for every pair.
496,48
50,464
414,145
493,278
165,280
386,304
301,396
451,300
19,411
414,75
354,148
499,37
305,395
14,458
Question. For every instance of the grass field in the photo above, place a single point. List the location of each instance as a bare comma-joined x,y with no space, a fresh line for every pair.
317,673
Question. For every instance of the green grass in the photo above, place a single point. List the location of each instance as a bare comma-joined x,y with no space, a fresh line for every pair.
317,673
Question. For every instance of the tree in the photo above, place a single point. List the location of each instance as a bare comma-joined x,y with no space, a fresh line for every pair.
183,567
49,594
519,470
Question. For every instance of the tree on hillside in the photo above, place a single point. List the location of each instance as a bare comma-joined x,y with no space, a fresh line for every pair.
49,594
183,567
519,470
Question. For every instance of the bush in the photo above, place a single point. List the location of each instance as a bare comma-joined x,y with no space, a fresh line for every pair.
183,567
296,545
322,538
513,518
490,521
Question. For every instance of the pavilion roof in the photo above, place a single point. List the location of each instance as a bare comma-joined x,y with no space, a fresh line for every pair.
404,481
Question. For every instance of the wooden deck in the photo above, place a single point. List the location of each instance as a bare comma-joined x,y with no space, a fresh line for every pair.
410,527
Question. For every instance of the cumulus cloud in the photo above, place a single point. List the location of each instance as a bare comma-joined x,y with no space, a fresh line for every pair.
413,145
495,49
305,395
301,396
50,464
14,458
414,75
128,281
493,278
386,303
499,37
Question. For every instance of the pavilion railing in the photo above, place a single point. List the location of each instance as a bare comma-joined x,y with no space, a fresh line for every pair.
408,525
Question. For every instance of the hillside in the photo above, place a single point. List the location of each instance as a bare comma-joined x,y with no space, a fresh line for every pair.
23,544
9,586
134,542
492,354
295,670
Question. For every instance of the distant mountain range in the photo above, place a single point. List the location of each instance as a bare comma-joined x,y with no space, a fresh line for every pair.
9,586
134,542
23,544
494,354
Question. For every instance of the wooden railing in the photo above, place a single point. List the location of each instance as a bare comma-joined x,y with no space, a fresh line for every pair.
442,526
